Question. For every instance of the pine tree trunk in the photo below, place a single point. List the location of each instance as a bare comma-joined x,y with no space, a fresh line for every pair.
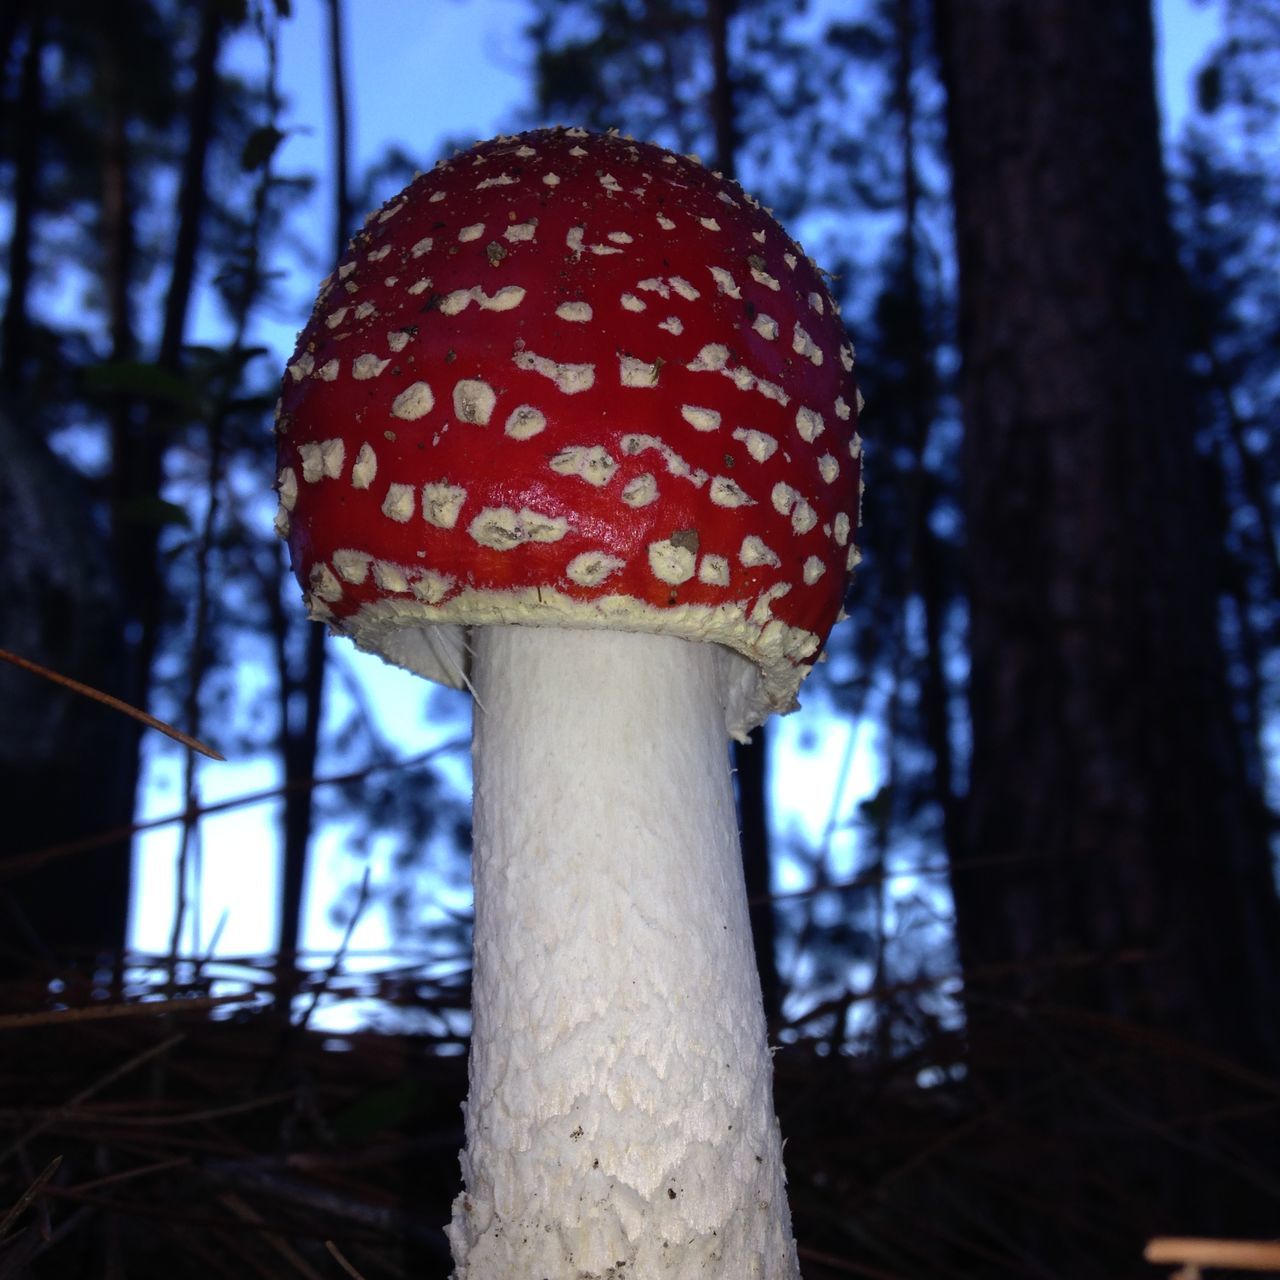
15,328
63,770
64,761
300,742
751,759
1115,869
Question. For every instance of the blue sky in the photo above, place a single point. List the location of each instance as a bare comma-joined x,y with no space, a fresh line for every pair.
418,74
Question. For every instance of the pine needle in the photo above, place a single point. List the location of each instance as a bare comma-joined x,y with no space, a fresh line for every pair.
116,704
341,1260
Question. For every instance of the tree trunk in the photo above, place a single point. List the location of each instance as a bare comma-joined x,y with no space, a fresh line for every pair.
300,719
1115,868
64,761
751,759
301,740
751,765
15,331
140,430
76,773
927,582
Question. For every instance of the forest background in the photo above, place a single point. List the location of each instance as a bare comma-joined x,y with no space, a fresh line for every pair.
1042,903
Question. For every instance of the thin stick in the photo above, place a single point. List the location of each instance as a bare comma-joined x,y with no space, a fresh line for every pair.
28,1196
114,703
1240,1255
341,1260
20,864
128,1175
339,955
51,1117
270,1234
104,1012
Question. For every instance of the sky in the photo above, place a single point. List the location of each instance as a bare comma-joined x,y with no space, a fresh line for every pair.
419,74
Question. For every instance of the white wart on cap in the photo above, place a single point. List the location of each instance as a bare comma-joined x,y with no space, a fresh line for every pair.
569,379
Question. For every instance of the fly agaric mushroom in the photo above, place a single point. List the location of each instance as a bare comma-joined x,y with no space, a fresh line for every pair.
571,407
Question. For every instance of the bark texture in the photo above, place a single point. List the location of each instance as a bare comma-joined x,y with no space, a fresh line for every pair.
1114,873
1107,781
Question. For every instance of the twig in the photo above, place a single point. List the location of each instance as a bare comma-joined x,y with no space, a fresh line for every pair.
17,1260
19,864
277,1241
129,1175
116,1073
103,1012
116,704
171,1119
278,1182
833,1263
1193,1252
339,955
32,1191
341,1260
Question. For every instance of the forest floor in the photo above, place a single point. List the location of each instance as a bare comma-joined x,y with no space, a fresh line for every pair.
169,1131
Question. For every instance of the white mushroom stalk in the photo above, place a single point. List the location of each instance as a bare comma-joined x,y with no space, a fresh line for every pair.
620,1119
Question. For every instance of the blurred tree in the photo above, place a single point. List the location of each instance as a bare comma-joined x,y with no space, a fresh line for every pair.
136,171
1114,869
1227,207
301,704
64,763
81,112
907,638
605,63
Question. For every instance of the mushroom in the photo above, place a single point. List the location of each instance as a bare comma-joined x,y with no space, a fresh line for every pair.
574,424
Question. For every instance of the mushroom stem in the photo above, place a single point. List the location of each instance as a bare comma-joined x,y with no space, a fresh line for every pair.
620,1105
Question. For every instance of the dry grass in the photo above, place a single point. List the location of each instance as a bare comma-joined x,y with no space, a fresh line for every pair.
197,1135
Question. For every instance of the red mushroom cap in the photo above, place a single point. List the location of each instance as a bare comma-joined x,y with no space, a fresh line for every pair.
568,379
